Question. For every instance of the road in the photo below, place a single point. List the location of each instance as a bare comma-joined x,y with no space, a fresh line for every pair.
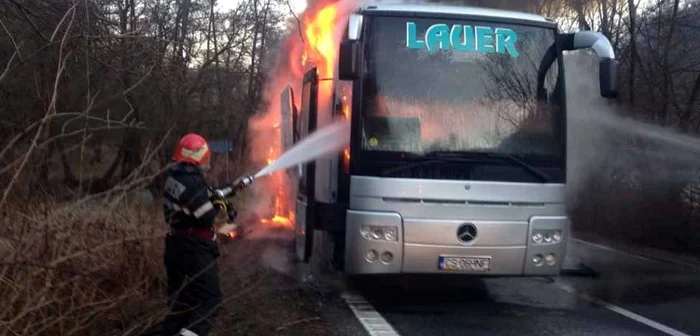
629,295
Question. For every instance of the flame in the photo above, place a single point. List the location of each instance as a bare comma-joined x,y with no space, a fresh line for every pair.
233,234
278,221
314,44
320,44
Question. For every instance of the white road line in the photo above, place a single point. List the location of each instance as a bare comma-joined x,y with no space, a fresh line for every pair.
641,319
655,260
608,248
371,320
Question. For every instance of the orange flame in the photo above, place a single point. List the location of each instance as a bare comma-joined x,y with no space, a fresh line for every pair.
317,48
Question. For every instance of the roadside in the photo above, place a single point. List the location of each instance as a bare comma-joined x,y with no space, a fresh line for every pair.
685,260
268,294
628,295
656,292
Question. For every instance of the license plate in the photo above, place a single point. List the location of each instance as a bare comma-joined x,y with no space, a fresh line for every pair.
479,264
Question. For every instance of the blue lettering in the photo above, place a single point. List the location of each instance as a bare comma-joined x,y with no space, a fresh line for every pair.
462,44
505,41
483,40
437,36
411,39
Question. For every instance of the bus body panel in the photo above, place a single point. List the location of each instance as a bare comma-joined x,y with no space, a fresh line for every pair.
434,230
428,214
356,246
457,190
325,165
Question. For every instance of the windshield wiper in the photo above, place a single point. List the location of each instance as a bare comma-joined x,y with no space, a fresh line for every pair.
471,157
534,171
409,165
467,157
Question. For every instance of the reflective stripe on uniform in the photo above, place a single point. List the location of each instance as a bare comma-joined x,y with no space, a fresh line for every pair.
203,209
186,332
177,207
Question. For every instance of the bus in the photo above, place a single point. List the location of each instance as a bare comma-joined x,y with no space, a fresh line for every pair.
456,160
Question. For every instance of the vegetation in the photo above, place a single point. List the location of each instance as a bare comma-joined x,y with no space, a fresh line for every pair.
93,96
94,93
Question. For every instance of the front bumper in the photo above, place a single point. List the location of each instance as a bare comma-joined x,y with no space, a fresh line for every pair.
423,258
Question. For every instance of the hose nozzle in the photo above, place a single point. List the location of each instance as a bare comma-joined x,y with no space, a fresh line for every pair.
243,182
239,184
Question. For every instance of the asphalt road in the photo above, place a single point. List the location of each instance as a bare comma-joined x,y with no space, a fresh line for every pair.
629,295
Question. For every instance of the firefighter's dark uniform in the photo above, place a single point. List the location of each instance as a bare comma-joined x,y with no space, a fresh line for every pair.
191,252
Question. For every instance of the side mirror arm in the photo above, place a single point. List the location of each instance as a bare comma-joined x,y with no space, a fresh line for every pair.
608,73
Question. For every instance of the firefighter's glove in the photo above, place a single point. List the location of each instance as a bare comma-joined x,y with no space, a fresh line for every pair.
230,211
221,203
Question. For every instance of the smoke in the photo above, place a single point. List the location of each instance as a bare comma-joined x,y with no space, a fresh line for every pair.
606,147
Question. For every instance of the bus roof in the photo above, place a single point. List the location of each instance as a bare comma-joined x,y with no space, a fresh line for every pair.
452,10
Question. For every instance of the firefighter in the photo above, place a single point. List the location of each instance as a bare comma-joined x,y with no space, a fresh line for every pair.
191,251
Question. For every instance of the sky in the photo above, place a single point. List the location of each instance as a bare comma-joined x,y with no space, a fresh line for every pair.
297,5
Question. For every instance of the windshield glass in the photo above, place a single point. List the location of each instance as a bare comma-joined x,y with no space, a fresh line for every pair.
441,85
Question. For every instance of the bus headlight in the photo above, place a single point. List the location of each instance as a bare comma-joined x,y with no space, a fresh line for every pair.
379,233
550,259
537,260
371,255
556,236
537,238
546,236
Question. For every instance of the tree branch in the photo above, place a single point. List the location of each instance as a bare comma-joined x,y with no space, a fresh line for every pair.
291,11
52,107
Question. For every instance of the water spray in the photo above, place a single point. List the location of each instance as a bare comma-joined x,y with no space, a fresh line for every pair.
324,141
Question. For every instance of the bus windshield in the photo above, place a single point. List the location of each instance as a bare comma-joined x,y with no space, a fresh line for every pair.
444,85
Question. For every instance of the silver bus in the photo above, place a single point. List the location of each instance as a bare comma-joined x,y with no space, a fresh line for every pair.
457,151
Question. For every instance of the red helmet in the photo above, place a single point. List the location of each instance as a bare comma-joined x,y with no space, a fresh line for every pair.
192,148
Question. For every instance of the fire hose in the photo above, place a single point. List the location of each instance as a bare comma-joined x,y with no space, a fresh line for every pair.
220,197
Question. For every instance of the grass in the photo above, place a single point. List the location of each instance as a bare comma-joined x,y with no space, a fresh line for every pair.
97,269
265,297
81,271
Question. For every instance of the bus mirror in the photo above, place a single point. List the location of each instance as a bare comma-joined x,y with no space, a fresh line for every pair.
608,78
602,47
347,60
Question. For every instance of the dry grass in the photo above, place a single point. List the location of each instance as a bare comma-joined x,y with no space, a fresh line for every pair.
96,268
263,296
636,200
89,271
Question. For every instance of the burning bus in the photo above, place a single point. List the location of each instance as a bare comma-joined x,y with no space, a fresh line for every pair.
456,160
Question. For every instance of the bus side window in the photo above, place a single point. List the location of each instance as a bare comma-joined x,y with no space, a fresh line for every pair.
295,123
303,129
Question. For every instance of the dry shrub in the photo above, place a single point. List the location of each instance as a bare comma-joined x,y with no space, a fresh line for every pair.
226,168
640,193
80,270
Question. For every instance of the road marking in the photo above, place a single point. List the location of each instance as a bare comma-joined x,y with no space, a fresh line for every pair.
641,319
655,260
371,320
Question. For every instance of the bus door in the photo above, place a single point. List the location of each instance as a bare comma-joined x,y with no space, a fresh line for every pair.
304,218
